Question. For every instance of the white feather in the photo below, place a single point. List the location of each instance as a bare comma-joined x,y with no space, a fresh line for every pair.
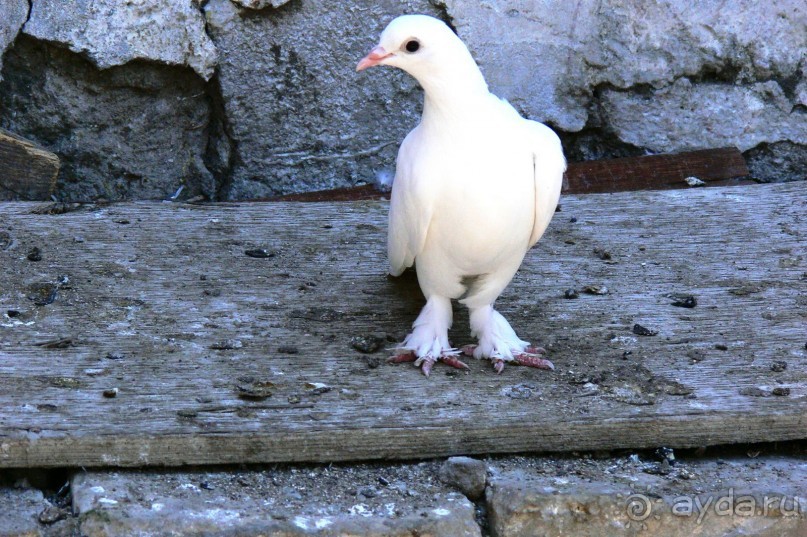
475,187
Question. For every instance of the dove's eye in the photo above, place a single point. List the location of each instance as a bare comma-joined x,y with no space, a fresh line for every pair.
412,45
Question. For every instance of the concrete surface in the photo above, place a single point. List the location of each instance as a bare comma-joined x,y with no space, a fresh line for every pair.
754,490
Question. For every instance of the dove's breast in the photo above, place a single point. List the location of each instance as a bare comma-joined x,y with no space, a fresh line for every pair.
484,200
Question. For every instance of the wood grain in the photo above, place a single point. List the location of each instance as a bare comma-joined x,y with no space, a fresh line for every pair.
161,302
27,171
715,167
655,172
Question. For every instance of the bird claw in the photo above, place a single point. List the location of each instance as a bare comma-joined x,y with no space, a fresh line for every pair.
425,363
408,356
533,360
531,357
454,362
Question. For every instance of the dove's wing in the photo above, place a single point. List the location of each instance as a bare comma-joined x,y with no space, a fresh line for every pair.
548,167
410,208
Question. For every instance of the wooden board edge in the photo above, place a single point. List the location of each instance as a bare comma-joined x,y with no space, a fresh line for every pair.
398,443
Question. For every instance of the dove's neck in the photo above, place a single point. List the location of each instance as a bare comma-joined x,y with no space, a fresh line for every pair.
453,95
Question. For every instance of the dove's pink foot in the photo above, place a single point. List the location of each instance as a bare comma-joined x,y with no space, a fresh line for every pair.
530,358
427,362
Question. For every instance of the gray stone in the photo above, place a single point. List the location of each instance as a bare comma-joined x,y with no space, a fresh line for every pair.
549,59
760,113
710,498
135,131
14,14
19,511
24,512
286,111
115,32
466,474
298,114
781,161
258,503
260,4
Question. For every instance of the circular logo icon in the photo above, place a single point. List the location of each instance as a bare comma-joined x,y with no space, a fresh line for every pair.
638,507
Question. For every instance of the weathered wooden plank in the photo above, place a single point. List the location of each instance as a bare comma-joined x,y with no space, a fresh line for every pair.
651,172
655,172
27,171
161,303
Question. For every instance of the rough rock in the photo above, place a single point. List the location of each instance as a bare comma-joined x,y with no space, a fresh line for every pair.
116,32
574,48
781,161
298,114
19,509
135,131
14,14
286,502
760,113
628,496
260,4
283,111
466,474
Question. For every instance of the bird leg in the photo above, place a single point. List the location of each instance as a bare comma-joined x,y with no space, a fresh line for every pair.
499,342
428,342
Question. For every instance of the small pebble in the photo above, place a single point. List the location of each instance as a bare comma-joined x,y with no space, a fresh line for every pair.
259,253
111,393
605,255
366,344
665,454
777,366
227,344
685,301
466,474
595,289
640,330
52,514
721,347
35,254
570,294
372,361
658,469
368,492
288,349
781,392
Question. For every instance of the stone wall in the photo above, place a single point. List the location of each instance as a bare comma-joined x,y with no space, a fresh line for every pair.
233,99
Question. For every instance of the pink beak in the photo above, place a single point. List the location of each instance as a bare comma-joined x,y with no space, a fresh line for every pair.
376,56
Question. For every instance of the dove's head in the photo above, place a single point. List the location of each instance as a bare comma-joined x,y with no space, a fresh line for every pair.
424,47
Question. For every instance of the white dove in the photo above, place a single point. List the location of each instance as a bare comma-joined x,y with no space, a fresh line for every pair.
475,187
